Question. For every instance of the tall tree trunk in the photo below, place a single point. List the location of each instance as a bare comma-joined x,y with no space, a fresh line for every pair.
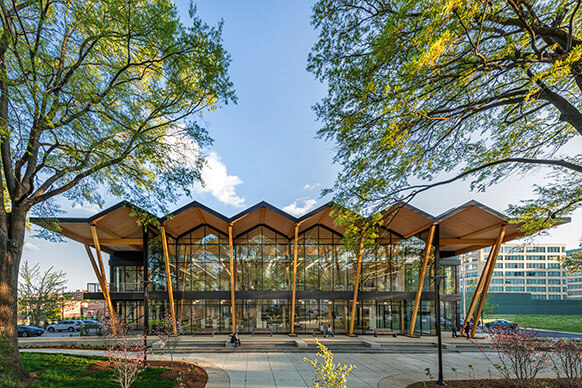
11,243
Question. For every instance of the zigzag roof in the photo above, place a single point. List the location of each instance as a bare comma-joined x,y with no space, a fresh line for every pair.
462,229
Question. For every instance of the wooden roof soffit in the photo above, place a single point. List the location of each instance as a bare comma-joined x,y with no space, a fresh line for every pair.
484,230
421,229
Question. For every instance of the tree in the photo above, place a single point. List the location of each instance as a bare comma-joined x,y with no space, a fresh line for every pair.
168,339
39,293
98,97
423,93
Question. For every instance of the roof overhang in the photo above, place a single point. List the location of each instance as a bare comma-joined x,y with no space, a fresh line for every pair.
463,229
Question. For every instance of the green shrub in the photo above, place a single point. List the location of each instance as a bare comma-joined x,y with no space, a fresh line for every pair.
326,374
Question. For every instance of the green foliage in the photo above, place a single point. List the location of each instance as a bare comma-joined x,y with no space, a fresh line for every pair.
326,374
420,90
40,293
573,261
104,97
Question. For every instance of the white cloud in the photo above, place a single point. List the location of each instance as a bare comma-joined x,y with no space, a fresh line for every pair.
89,208
219,183
30,246
184,150
297,210
311,187
214,173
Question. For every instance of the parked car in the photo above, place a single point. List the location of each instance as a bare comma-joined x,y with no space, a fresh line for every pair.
29,331
501,325
70,325
92,324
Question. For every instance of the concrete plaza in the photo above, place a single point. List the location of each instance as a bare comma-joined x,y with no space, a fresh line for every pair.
285,370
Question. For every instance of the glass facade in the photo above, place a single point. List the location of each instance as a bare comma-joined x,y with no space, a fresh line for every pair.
263,275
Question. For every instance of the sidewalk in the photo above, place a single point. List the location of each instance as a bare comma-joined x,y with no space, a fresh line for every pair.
286,370
284,343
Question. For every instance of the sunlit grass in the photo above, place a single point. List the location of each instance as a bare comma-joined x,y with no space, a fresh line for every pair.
70,371
572,323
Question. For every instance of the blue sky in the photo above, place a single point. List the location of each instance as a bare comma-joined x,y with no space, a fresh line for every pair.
265,146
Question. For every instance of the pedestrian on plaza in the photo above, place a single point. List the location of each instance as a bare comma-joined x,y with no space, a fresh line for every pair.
454,328
321,329
235,340
329,332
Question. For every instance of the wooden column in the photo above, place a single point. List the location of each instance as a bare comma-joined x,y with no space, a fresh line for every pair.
232,294
294,286
495,251
477,293
169,279
100,272
356,285
421,280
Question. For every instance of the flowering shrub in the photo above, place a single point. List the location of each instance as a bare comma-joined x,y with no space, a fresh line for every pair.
125,355
326,374
567,361
521,356
169,340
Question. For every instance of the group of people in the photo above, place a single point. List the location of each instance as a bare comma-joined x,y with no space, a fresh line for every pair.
467,329
326,333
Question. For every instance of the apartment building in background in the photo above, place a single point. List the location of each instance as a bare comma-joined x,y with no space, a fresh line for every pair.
521,268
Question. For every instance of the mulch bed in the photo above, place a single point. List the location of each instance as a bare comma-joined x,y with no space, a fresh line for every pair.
193,375
495,383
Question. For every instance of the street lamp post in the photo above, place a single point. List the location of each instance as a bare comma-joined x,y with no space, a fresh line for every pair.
437,284
437,280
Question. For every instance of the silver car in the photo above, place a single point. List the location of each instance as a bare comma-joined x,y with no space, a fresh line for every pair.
69,325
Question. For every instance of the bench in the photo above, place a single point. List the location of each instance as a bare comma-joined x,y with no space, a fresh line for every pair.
318,332
379,331
262,330
204,330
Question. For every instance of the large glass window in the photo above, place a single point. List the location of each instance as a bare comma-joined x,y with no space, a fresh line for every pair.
127,278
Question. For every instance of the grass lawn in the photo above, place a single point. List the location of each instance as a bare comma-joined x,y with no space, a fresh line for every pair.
571,323
68,371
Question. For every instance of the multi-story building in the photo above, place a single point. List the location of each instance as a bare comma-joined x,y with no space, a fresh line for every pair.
574,282
520,268
264,268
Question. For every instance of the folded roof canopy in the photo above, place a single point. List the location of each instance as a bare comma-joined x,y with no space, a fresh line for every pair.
463,229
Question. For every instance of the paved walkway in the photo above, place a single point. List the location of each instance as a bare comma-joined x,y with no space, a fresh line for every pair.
285,370
276,342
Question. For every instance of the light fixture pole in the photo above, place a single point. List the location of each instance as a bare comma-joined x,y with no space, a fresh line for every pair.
437,285
437,282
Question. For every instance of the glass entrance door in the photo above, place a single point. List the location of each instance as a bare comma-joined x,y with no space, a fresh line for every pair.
384,315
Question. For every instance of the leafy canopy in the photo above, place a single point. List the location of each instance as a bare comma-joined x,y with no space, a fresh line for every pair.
104,93
39,293
418,90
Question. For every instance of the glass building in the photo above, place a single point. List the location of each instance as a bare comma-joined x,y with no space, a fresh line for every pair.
239,272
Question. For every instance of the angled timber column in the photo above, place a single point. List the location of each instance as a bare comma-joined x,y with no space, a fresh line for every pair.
479,288
356,285
476,294
294,289
169,279
488,279
100,273
232,294
421,280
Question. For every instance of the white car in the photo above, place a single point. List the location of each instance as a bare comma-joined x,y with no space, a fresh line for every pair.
70,325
